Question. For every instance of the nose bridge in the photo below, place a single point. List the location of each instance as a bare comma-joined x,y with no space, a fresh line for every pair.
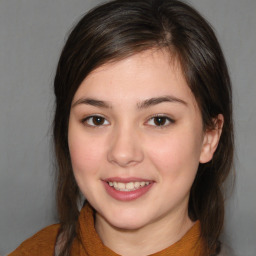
125,146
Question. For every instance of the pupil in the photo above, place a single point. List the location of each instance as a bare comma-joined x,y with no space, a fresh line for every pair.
97,120
160,121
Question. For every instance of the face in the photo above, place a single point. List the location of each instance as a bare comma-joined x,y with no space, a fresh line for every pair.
136,139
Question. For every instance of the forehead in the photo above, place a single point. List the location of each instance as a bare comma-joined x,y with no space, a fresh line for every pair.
152,73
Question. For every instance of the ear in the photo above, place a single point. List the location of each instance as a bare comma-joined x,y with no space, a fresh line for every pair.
211,140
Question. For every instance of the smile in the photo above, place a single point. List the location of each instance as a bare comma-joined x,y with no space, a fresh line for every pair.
127,189
130,186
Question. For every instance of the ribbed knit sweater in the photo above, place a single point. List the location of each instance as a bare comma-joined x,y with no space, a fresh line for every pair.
43,243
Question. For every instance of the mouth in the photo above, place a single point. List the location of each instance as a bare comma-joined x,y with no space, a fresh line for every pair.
129,186
126,189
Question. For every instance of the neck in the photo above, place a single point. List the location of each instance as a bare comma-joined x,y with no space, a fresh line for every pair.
146,240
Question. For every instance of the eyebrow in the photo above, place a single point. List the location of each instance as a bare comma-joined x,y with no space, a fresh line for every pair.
157,100
92,102
141,105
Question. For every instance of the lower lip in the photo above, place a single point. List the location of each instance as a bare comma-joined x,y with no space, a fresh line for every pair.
127,195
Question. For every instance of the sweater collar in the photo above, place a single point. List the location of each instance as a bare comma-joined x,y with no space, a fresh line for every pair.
190,244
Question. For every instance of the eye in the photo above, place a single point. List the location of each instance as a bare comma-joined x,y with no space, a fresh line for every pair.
95,121
160,121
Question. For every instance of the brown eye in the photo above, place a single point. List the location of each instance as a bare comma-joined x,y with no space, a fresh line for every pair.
96,121
160,121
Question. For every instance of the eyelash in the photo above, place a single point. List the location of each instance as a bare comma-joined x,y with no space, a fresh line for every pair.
166,119
87,119
153,118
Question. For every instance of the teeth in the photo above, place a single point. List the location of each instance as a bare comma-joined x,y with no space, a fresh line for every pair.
136,184
130,186
121,186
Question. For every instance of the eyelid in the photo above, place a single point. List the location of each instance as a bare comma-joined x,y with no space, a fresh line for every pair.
85,121
169,119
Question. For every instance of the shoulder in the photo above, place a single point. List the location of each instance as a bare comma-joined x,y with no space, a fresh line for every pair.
42,243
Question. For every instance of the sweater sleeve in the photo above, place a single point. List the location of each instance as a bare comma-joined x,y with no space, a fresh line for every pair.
42,243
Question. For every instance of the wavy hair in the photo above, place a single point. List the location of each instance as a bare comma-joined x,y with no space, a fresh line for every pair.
121,28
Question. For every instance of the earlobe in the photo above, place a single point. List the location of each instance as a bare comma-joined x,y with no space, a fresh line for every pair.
211,140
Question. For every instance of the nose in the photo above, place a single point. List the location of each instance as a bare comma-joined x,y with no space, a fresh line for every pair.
125,148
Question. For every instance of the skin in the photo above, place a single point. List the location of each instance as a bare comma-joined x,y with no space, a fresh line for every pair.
128,142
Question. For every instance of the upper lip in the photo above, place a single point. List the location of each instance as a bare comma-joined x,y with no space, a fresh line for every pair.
126,179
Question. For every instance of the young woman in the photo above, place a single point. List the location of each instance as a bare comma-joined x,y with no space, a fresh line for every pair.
142,130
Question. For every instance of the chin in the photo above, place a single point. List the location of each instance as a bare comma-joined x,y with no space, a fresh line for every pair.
127,225
126,217
127,221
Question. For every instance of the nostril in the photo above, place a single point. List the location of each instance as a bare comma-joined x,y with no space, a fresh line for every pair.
127,158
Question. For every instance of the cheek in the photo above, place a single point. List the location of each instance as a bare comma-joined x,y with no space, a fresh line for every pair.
86,154
176,154
82,154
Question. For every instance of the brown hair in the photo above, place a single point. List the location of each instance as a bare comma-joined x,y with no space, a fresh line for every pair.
119,29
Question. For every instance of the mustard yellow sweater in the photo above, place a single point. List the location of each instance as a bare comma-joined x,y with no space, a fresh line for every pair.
43,242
